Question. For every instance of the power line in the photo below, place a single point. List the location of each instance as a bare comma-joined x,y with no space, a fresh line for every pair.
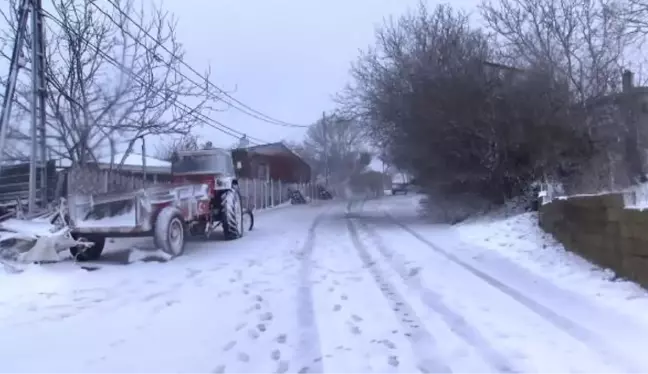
198,116
243,107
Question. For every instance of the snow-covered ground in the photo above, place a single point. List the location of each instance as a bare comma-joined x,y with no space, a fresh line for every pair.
338,287
519,239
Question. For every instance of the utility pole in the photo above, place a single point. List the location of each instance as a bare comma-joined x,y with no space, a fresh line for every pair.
326,148
42,98
14,68
37,109
38,96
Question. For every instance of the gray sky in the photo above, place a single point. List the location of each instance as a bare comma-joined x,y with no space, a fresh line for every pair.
285,58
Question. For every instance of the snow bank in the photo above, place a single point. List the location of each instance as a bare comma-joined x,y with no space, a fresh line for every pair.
519,239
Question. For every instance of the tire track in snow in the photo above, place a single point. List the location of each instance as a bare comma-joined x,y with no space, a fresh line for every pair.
433,300
422,342
309,340
576,331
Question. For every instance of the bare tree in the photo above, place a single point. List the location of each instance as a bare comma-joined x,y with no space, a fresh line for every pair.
335,143
108,82
187,142
582,41
472,132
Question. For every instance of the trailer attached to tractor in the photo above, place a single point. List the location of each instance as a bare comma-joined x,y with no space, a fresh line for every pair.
204,195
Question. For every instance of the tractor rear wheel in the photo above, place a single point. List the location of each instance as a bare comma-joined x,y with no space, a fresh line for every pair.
232,214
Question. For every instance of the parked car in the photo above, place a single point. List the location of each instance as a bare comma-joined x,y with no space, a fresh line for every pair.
400,188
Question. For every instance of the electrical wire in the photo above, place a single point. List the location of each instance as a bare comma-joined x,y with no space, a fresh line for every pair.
246,109
197,116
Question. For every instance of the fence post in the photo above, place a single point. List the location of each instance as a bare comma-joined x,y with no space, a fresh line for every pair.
254,193
264,193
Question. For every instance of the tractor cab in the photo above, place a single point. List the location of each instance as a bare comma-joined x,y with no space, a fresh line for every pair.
212,166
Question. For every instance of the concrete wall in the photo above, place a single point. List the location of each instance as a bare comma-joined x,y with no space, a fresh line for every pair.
602,230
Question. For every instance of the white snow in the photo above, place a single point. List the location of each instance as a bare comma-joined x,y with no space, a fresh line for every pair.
28,227
520,239
338,287
135,159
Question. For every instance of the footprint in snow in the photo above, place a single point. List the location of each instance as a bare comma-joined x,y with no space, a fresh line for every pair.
282,338
283,366
243,357
253,334
337,307
388,343
275,355
229,346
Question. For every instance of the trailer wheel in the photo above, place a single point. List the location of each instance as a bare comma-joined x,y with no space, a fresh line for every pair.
232,214
169,231
82,254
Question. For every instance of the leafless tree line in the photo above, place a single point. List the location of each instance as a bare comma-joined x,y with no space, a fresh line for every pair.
108,82
336,149
478,114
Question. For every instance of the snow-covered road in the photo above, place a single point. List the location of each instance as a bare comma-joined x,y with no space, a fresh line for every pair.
361,287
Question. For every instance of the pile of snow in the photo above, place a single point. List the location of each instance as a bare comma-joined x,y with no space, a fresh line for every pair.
520,239
29,241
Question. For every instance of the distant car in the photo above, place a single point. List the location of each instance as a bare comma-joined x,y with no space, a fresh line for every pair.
399,188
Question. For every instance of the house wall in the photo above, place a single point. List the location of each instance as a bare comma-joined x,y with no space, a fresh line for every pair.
281,167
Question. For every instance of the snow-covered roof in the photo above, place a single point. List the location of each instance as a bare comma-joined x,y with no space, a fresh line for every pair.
132,163
135,159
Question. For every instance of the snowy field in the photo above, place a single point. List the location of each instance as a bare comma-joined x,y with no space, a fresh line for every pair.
360,287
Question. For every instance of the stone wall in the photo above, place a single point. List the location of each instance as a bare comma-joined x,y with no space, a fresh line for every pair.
600,229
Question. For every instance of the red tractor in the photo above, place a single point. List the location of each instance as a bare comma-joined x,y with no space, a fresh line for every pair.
204,195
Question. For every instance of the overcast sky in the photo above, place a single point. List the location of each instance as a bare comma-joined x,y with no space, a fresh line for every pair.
285,58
